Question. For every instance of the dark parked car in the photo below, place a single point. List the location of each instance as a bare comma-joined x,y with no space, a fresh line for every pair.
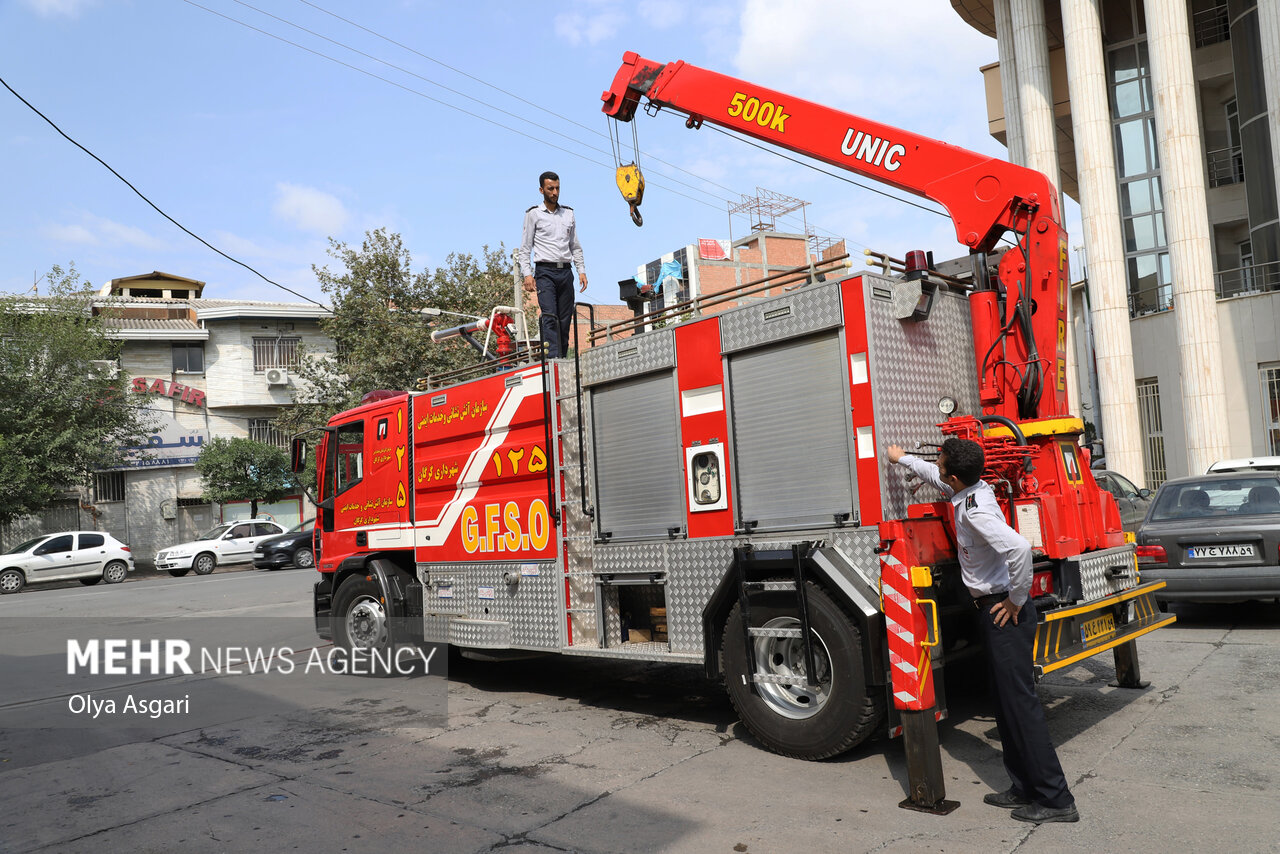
289,549
1214,538
1132,501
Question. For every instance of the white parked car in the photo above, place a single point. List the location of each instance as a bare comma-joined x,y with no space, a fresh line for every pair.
231,542
1246,464
90,556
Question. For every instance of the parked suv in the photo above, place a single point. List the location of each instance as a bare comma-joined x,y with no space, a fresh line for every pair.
90,556
232,542
291,549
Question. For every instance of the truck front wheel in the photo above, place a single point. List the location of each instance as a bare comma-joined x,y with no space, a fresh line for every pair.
795,714
360,622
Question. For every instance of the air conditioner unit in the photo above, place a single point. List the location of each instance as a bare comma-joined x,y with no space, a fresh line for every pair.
277,376
106,368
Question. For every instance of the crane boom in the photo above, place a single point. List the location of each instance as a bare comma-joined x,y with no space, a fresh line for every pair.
1015,325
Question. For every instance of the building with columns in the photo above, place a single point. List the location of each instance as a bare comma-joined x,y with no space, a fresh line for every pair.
1162,119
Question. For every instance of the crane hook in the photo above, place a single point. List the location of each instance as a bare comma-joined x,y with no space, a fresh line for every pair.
631,184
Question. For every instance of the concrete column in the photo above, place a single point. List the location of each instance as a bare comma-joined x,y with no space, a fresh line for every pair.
1035,91
1035,97
1269,30
1203,401
1103,242
1009,84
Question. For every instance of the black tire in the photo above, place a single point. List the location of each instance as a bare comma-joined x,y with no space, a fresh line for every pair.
204,563
304,558
786,718
178,573
359,622
115,572
89,582
12,580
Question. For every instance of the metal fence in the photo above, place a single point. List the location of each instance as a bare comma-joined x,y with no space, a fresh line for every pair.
1251,279
1211,25
63,516
1150,300
1226,166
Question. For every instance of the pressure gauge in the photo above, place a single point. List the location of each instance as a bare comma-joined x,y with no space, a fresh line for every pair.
947,405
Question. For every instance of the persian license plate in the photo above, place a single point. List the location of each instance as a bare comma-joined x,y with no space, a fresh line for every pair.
1232,550
1098,627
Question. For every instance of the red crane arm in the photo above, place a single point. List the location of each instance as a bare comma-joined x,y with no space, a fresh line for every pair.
985,197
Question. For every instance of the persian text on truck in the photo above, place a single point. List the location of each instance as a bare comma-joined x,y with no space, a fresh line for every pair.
714,491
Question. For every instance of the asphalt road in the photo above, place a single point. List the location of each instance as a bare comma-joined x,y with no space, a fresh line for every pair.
560,754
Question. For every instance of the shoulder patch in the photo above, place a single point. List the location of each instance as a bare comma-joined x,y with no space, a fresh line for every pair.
971,502
531,207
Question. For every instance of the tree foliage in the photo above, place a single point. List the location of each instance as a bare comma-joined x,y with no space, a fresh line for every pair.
383,341
244,470
61,416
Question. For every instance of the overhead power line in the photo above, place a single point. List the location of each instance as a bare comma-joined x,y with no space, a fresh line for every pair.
153,205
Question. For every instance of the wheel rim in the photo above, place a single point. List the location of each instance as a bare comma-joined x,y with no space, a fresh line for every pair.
10,581
114,573
366,623
785,657
204,565
304,558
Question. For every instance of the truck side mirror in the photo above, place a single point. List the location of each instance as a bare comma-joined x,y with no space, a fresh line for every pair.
297,454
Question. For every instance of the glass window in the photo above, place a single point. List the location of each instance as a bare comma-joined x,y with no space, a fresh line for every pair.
1135,197
275,353
350,455
1271,406
57,545
1131,148
241,530
108,486
263,529
91,541
188,358
1129,98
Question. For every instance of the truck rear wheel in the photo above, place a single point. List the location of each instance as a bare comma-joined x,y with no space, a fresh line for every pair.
789,717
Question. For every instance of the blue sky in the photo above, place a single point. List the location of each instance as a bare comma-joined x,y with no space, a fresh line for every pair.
265,150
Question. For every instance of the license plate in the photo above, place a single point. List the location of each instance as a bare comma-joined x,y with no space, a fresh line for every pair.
1236,550
1098,627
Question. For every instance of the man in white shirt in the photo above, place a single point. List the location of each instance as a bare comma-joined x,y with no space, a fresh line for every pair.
548,245
995,566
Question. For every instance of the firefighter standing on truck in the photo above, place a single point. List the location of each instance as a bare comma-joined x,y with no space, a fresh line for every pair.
995,565
548,245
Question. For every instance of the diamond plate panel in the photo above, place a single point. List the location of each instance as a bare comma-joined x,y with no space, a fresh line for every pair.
480,634
694,570
531,607
629,357
630,557
859,546
913,366
1095,580
807,310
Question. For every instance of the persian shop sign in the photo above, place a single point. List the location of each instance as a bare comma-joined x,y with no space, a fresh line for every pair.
170,444
185,393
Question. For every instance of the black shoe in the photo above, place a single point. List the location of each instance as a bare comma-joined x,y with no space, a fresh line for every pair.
1037,814
1008,800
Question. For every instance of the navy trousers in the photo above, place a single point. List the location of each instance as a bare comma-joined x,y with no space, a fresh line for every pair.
555,303
1029,756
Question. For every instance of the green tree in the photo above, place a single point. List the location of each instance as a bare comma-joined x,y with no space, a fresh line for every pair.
383,340
61,416
244,470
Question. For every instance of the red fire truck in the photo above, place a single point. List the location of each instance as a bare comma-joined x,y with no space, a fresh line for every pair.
715,491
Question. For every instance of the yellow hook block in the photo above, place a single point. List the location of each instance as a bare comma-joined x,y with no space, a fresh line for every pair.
631,185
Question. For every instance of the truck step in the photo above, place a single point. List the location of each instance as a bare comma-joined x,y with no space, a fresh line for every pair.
768,586
773,633
771,679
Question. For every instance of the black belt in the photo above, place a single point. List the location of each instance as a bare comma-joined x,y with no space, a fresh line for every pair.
559,265
986,602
